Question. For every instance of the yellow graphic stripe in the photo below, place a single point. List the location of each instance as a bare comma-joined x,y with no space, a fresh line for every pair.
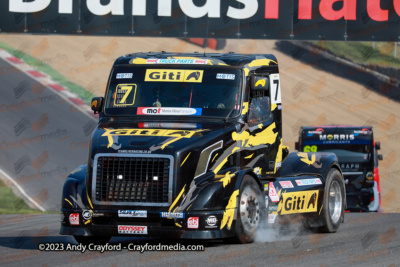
230,210
245,108
76,170
273,107
214,157
139,61
278,155
249,157
225,179
261,62
176,199
87,222
68,202
177,224
304,158
88,198
178,134
219,167
185,159
267,136
320,209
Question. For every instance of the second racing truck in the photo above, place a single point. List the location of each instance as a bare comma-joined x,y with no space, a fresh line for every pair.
358,157
190,146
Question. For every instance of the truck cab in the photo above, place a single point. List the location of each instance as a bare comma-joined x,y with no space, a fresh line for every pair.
358,158
190,146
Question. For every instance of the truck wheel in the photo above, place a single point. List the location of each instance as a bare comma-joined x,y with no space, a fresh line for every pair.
333,205
250,211
98,240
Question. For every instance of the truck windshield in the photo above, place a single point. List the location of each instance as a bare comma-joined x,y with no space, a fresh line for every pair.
175,91
346,153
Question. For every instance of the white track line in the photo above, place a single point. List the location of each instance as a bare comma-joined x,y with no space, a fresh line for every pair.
46,81
21,190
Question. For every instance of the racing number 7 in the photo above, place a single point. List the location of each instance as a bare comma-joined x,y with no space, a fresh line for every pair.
123,91
275,89
128,91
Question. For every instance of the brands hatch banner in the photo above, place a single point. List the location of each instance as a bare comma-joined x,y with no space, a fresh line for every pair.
352,20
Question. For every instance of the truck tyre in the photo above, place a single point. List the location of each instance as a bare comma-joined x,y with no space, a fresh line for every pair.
98,240
250,211
334,202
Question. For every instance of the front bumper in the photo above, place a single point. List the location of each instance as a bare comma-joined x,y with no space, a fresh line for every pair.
107,225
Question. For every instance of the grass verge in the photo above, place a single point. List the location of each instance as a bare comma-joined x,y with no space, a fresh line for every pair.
85,95
363,52
11,204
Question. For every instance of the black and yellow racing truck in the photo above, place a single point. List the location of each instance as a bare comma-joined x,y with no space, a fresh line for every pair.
190,146
358,158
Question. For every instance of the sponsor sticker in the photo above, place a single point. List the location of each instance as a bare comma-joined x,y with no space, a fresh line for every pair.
134,151
86,214
224,76
286,184
279,107
131,229
266,187
271,218
174,75
124,75
74,219
211,222
370,176
177,61
175,215
317,131
273,208
272,193
193,222
167,125
169,111
132,213
350,166
298,202
362,131
308,182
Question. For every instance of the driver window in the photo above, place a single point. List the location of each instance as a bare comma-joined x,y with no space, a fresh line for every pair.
260,110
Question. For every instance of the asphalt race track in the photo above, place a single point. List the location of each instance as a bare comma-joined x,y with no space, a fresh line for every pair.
39,148
363,240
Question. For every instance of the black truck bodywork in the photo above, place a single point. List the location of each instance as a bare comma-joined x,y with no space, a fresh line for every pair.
153,174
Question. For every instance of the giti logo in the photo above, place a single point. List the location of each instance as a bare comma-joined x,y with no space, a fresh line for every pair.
170,75
298,202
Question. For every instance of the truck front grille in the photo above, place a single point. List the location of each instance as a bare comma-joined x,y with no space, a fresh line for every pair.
132,179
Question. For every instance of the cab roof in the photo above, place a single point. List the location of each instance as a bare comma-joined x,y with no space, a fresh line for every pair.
230,59
338,127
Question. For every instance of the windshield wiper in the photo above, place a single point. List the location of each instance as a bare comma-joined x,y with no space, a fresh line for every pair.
229,114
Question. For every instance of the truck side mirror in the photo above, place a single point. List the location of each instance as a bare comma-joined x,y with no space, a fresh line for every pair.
259,83
296,145
378,145
97,104
380,157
